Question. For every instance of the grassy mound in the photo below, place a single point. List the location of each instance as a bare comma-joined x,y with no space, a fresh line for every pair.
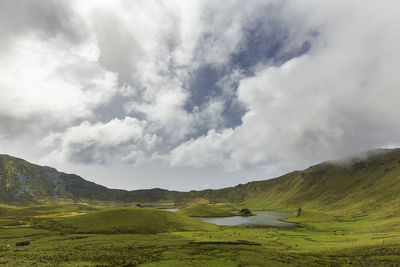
128,220
204,210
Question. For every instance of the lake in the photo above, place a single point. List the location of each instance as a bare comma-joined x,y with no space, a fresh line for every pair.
262,219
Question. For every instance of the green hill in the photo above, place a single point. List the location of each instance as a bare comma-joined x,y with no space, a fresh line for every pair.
126,220
204,210
368,183
364,185
22,182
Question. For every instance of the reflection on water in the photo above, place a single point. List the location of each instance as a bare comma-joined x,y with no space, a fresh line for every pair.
161,208
262,218
173,210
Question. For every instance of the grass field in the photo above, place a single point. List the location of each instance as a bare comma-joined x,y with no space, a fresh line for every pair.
350,216
204,210
78,235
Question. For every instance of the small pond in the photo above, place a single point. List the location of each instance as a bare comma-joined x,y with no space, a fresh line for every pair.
262,219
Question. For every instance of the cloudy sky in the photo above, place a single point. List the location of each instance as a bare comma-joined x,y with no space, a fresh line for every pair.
196,94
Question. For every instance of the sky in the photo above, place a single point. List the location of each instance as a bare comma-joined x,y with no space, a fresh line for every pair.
196,94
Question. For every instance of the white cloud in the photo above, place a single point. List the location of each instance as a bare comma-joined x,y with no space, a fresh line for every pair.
338,99
167,112
72,71
211,149
159,56
45,81
99,142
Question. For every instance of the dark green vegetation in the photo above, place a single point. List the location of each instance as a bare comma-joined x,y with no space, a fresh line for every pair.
350,215
245,212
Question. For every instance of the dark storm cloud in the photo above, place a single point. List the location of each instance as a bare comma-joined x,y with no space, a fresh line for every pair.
46,18
270,39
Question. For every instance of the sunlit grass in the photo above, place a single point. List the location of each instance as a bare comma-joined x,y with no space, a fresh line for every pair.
204,210
319,239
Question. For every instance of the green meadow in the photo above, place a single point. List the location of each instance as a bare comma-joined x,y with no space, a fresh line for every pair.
204,210
350,215
81,235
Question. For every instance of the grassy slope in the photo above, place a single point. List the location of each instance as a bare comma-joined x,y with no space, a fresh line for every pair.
127,220
22,182
368,186
319,240
204,210
350,215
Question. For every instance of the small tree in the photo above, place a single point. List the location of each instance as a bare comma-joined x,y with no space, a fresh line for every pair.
299,210
245,212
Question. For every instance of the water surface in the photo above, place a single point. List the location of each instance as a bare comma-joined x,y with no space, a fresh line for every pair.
262,219
172,209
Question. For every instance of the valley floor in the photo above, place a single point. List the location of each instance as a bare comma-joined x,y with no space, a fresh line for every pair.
317,240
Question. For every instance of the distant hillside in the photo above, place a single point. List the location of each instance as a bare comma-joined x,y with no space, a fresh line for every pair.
22,182
368,183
